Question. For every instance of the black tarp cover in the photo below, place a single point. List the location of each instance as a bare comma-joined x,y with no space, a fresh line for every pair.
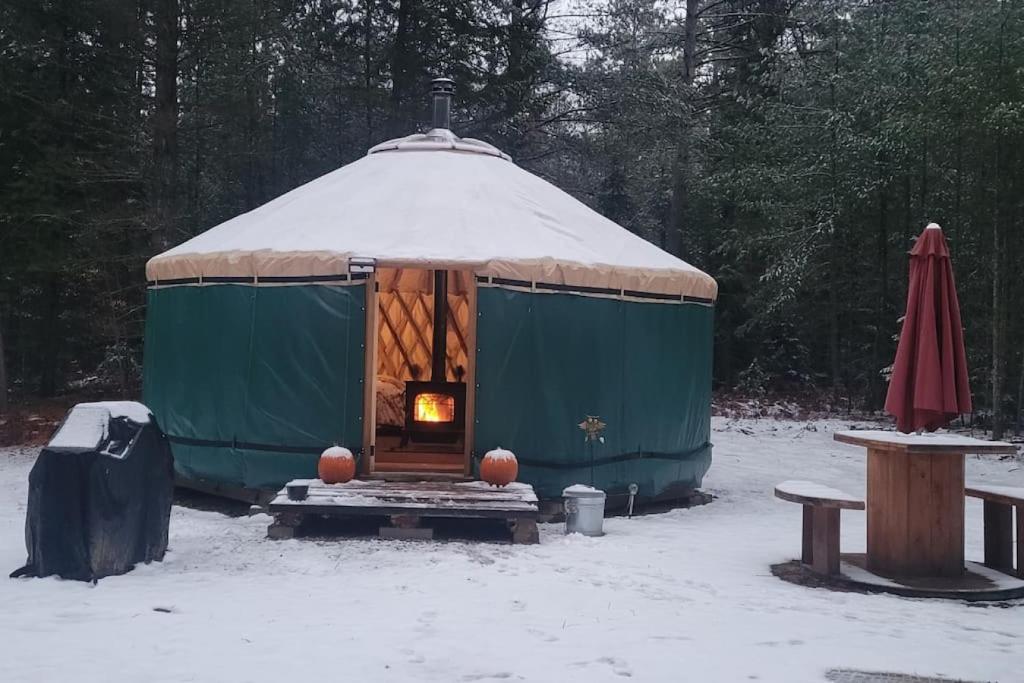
97,512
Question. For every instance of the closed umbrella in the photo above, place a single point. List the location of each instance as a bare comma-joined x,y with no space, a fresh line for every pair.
929,385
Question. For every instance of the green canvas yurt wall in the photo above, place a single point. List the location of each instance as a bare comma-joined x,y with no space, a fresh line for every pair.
252,382
547,361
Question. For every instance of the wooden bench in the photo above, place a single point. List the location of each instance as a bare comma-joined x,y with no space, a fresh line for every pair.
820,548
999,502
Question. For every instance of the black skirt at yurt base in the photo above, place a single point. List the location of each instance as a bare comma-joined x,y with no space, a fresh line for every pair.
91,514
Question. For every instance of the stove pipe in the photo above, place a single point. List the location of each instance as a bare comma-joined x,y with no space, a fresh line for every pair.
439,350
442,90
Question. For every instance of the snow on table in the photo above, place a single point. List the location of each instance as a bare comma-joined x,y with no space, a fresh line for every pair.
934,440
686,595
808,489
1009,495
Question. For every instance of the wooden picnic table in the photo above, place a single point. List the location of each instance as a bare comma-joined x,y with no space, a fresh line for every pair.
915,499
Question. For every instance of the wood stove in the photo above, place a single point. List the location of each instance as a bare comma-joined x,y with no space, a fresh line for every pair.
435,411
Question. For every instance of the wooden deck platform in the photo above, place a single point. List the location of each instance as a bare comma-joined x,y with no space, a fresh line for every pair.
407,504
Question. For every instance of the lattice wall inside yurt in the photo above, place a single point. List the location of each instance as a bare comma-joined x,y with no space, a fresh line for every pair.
405,329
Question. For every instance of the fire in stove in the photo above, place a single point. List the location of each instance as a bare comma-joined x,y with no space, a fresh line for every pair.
431,407
435,411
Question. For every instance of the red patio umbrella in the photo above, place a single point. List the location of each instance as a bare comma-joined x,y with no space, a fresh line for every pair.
929,386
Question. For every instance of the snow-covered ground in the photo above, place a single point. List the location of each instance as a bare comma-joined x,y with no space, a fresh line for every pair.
681,596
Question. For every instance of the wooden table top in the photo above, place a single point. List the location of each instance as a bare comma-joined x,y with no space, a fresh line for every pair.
896,442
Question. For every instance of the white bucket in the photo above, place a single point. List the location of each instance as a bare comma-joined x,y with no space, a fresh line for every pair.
584,510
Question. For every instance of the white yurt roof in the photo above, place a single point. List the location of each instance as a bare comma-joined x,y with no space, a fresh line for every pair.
433,200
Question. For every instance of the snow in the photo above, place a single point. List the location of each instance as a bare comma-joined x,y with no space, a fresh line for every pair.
339,499
579,488
682,595
472,211
810,489
438,139
85,426
134,411
500,455
83,429
1008,491
525,491
411,495
927,439
582,491
337,452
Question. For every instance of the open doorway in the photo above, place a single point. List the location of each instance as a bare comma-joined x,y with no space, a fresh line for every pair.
424,350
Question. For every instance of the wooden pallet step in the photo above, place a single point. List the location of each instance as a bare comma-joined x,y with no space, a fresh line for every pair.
404,490
418,477
426,468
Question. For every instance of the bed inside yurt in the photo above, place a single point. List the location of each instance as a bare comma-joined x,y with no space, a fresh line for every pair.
421,306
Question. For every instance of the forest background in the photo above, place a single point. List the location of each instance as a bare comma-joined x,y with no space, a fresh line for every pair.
792,149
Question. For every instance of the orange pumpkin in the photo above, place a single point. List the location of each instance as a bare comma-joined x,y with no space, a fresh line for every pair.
499,467
336,465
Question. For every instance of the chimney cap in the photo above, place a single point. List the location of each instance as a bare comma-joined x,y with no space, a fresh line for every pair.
442,85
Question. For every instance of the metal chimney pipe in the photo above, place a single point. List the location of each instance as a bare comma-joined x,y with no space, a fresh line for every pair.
442,90
439,346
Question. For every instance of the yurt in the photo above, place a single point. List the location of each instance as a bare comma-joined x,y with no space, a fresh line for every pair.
421,306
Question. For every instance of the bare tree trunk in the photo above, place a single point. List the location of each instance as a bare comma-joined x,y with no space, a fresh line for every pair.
401,68
1020,396
368,70
834,257
679,204
165,122
997,275
959,140
997,305
254,194
50,347
3,369
197,152
907,221
922,206
877,388
997,328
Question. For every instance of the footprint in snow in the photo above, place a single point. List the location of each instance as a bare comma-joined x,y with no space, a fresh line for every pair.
776,643
543,635
501,675
619,667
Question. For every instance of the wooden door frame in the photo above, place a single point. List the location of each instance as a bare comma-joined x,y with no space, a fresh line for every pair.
371,360
471,319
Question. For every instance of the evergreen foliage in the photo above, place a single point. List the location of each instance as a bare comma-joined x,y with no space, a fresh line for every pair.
792,149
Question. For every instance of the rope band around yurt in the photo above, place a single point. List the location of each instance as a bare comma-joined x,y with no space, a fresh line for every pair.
609,460
256,280
581,289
